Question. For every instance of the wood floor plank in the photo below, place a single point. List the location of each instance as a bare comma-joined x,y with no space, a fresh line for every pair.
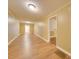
31,47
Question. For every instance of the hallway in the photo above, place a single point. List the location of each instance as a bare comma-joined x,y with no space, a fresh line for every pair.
39,29
31,47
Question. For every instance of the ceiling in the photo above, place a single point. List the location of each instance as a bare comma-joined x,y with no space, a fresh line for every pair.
18,9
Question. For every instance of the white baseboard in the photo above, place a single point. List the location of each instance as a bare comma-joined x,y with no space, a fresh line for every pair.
61,49
47,41
13,39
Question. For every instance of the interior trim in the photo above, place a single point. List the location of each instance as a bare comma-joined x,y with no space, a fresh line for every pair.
13,39
47,41
61,49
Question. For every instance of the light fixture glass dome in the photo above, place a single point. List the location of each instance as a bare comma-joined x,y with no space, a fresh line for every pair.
31,6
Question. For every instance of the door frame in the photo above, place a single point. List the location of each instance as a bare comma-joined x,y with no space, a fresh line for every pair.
49,27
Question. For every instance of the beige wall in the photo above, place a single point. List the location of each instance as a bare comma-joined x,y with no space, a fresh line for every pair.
63,28
13,28
31,28
22,28
41,29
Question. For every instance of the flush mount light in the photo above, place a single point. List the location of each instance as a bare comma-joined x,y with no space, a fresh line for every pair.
32,6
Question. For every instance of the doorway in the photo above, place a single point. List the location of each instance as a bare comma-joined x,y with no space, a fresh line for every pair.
27,28
52,29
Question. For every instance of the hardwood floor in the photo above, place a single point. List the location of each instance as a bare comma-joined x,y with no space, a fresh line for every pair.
31,47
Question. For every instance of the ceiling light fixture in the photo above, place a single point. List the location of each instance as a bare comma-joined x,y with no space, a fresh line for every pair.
31,6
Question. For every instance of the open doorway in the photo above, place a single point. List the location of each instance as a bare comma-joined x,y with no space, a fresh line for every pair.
27,28
53,29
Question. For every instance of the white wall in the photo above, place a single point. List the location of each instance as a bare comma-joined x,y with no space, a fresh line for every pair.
64,29
41,29
13,28
52,24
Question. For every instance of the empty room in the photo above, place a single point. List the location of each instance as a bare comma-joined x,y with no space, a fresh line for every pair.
39,29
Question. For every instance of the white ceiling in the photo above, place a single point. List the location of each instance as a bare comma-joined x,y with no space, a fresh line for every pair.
18,8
